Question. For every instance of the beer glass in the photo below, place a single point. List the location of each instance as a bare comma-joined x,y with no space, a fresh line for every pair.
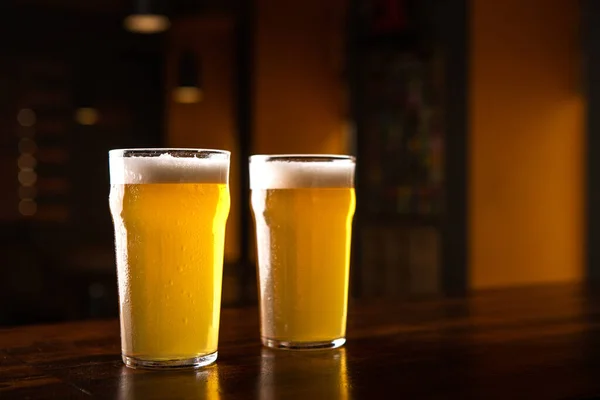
303,207
169,209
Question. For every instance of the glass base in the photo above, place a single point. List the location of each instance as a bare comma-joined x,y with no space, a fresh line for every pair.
285,345
188,363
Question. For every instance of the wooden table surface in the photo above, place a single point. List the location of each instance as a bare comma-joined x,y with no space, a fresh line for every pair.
529,343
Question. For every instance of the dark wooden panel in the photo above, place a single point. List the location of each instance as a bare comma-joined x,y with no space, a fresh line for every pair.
453,18
55,63
245,28
408,75
590,21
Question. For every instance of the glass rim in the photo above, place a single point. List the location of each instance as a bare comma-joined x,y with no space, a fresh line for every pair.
303,158
181,152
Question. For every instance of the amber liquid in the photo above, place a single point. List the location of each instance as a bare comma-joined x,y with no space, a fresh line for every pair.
303,242
169,244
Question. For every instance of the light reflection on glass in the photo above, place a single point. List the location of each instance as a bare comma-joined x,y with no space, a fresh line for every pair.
314,374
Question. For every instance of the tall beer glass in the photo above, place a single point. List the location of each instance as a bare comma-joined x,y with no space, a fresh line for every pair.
169,208
303,207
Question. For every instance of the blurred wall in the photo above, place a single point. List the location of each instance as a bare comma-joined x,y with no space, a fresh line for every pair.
526,166
300,103
300,100
211,122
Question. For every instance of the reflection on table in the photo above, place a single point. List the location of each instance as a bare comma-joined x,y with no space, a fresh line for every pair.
184,384
318,374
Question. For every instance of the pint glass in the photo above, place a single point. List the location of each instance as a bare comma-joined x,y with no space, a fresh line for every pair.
169,209
303,207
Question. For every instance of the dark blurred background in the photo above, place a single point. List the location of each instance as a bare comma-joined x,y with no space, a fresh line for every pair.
468,120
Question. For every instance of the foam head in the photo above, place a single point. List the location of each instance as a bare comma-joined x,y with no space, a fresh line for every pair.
168,169
280,174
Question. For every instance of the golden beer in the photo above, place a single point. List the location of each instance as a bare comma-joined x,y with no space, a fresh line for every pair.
169,215
303,211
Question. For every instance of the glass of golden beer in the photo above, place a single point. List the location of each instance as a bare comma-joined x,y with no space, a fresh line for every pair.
169,209
303,207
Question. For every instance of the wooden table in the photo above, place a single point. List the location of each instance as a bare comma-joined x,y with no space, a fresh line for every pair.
530,343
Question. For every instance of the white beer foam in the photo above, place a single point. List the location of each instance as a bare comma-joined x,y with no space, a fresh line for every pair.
298,174
168,169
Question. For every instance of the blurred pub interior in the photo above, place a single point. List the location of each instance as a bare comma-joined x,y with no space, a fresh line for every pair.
468,120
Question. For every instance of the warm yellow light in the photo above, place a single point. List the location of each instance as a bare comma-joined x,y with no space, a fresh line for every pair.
26,117
147,23
27,192
27,178
26,161
27,207
187,94
87,116
27,145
